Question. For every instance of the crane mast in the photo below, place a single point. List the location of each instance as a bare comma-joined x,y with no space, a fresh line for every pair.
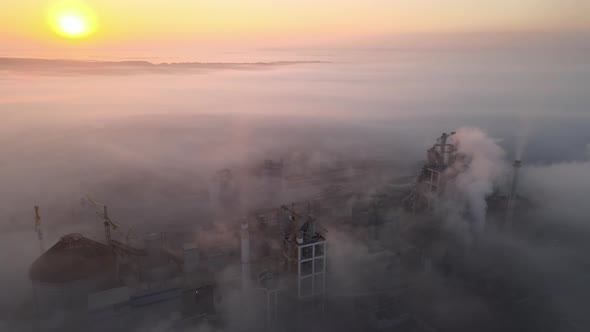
38,229
104,215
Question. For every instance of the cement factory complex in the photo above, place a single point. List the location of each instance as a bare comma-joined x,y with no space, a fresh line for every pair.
279,266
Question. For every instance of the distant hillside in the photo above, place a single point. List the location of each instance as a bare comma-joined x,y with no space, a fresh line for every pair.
79,67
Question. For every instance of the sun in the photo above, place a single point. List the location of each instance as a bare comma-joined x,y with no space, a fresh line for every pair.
72,26
72,19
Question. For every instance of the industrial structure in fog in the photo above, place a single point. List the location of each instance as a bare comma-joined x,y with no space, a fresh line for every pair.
273,263
80,282
68,272
435,174
437,180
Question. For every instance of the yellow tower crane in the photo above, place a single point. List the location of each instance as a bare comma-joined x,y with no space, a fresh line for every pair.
103,214
38,229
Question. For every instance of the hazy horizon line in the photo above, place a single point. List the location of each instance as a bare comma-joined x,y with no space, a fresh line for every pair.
77,66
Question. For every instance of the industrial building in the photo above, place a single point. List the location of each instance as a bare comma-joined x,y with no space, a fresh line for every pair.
269,269
82,283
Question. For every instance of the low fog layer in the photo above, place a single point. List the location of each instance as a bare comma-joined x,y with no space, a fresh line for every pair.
79,67
149,145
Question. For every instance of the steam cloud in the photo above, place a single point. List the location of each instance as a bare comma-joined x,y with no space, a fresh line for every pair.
478,175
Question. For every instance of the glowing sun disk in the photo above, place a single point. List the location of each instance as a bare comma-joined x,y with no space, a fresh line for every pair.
72,19
72,25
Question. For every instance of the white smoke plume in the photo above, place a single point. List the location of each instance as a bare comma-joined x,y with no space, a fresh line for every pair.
485,167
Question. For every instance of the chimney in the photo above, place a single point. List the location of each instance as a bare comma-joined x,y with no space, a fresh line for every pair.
512,194
153,247
190,257
245,242
516,165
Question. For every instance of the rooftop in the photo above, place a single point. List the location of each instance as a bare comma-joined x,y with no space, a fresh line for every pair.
72,258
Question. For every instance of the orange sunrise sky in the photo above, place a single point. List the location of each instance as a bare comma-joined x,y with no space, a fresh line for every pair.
29,26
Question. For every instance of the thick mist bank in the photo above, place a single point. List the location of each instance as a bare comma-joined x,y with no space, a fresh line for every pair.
148,145
60,133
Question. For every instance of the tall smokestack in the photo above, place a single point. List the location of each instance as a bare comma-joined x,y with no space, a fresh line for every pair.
153,249
245,242
516,165
512,194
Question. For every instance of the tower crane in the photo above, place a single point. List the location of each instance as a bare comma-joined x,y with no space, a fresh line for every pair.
38,229
103,214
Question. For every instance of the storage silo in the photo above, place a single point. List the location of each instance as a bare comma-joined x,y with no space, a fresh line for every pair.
65,274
